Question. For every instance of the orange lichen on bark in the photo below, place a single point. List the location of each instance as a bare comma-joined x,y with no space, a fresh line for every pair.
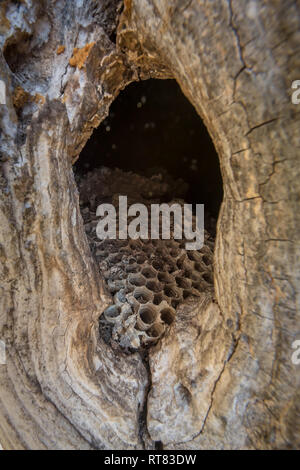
79,56
60,49
39,98
20,97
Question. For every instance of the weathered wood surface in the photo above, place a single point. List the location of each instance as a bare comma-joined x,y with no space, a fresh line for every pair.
64,388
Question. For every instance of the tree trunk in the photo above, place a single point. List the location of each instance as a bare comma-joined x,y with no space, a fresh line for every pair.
229,362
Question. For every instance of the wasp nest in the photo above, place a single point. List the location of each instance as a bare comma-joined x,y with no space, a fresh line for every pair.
147,279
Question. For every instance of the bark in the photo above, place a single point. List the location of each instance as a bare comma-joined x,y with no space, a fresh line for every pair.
235,383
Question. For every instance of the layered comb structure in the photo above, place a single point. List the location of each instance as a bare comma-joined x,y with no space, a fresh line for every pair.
147,279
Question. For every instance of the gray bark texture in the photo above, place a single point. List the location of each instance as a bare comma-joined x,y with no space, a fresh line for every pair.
222,377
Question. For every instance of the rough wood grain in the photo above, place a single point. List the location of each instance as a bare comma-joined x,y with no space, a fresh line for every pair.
64,388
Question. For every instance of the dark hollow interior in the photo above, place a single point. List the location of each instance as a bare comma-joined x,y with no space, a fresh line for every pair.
151,128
